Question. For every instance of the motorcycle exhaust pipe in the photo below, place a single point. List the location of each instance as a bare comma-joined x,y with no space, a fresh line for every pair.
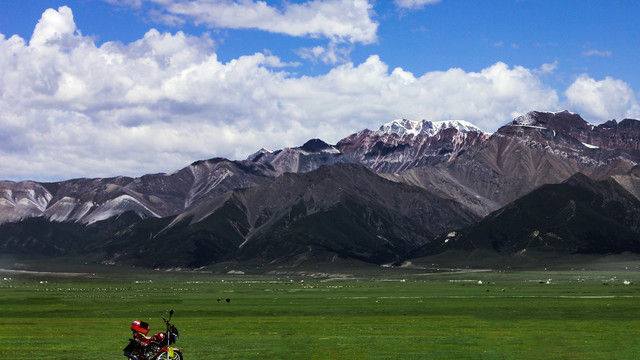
130,356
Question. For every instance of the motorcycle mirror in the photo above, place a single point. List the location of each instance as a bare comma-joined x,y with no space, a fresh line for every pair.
170,312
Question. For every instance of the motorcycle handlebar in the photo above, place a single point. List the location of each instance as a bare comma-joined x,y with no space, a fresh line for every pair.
165,319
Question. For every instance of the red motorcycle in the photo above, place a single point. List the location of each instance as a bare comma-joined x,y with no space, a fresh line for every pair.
156,347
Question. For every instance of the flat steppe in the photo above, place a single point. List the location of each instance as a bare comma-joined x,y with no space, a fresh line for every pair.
586,309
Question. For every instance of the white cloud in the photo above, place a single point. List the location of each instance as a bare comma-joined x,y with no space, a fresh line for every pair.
595,52
69,108
602,100
339,20
131,3
334,53
343,22
546,69
415,4
53,26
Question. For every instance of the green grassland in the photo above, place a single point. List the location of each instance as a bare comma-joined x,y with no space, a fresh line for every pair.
346,313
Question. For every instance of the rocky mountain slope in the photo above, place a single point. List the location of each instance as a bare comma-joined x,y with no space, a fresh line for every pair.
630,181
398,145
376,196
609,135
533,150
405,144
577,216
156,195
162,195
308,157
342,210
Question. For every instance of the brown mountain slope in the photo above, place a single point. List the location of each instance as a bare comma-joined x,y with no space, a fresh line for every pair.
154,195
341,210
577,216
519,158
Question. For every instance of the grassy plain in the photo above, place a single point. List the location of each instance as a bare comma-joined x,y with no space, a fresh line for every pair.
358,313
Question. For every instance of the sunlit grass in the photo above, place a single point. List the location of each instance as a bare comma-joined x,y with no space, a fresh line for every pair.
510,315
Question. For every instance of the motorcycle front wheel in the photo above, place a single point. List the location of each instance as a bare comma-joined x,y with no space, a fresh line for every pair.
165,356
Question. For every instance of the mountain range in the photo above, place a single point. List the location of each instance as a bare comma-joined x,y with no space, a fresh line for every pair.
546,180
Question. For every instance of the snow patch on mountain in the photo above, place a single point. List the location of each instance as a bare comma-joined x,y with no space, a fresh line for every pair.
526,119
404,127
315,146
532,116
62,209
330,150
258,154
531,127
264,151
117,206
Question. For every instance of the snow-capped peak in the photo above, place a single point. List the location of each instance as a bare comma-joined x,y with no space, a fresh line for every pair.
264,150
526,119
531,117
256,155
404,127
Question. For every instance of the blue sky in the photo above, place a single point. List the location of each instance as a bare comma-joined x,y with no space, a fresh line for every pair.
126,87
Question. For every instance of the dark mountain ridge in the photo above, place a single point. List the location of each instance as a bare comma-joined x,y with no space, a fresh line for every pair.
393,153
153,195
577,216
341,210
611,135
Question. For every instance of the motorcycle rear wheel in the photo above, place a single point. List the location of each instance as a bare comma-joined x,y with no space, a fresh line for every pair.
165,356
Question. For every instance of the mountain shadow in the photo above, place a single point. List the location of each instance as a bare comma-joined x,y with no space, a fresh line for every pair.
578,216
343,210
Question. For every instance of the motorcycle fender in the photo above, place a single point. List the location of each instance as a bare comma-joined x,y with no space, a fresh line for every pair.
170,350
132,345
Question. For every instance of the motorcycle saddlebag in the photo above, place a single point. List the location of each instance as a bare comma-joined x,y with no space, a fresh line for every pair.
129,350
140,326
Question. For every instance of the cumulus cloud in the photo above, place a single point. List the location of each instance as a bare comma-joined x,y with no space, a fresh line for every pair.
342,22
602,100
339,20
70,108
53,26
